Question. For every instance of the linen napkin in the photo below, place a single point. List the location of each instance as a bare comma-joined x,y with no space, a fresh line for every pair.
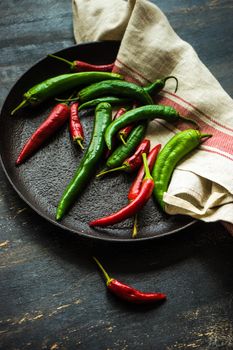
202,184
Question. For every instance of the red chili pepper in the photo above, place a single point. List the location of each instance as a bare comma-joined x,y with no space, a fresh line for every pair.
128,293
124,132
81,66
135,160
76,129
134,206
118,113
136,185
57,117
132,163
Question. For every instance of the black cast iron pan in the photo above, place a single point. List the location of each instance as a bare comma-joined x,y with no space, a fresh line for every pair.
41,180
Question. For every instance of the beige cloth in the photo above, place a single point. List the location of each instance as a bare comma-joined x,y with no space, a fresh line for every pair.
202,184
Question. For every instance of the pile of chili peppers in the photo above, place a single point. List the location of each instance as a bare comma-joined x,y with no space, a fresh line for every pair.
119,141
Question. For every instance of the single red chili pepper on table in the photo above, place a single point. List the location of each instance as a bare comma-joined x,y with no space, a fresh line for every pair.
81,66
134,206
128,293
57,117
136,185
76,129
132,163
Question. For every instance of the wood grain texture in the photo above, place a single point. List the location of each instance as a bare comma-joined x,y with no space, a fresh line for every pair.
52,296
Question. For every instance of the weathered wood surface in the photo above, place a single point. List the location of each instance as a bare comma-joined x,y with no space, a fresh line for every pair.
52,296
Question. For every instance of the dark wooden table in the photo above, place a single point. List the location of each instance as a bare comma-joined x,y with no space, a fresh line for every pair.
51,294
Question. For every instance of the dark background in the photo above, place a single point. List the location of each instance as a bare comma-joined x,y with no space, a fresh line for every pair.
52,296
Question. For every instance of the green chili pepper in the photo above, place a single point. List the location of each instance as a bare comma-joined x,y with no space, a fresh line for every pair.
142,113
109,87
125,150
110,99
159,84
61,83
103,115
176,148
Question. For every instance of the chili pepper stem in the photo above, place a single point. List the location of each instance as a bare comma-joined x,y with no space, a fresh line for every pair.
106,275
67,100
103,172
135,226
22,104
62,59
206,135
146,167
172,77
188,120
154,86
79,142
122,139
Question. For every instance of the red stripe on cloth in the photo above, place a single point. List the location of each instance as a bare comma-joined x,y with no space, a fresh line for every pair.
215,152
132,70
220,140
199,111
121,70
